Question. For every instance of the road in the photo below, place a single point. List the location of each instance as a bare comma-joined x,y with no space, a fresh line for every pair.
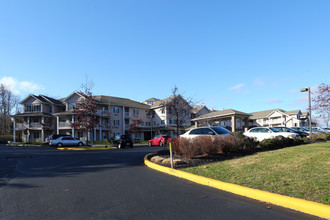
46,183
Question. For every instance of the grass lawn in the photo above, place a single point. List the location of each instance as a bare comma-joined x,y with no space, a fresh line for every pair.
301,171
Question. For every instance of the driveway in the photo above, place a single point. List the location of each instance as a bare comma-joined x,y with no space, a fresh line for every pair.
45,183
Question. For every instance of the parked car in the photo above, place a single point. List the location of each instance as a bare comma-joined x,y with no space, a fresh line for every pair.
67,141
261,133
205,131
121,141
54,136
322,130
158,140
286,129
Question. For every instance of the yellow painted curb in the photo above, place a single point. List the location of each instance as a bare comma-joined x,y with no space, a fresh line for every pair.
86,148
301,205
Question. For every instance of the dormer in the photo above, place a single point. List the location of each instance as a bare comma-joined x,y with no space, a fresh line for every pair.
71,100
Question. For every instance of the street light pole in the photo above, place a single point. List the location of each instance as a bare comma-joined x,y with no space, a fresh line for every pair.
310,108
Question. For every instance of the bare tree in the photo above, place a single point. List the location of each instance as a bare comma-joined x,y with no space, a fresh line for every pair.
8,105
321,103
177,108
85,110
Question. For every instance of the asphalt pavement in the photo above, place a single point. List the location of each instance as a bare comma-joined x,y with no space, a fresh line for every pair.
46,183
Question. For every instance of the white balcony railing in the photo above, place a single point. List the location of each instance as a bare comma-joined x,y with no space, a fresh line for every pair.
127,114
64,125
103,112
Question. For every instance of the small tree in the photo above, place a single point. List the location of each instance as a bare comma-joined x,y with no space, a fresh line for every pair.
177,108
134,127
85,110
8,104
321,103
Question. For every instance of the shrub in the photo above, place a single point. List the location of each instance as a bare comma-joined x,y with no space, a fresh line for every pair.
184,147
206,144
227,143
244,143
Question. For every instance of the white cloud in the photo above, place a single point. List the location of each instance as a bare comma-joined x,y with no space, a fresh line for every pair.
273,101
259,82
19,87
237,87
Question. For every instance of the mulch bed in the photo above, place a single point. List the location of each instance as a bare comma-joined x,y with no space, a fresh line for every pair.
198,161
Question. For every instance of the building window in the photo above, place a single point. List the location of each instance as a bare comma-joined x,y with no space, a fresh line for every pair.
142,124
28,108
173,121
116,122
148,123
138,135
50,109
162,122
36,108
116,110
135,112
36,135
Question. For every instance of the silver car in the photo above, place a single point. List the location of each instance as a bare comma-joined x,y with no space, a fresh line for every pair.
67,141
205,131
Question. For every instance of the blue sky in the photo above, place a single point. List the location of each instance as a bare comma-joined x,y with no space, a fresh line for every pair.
244,55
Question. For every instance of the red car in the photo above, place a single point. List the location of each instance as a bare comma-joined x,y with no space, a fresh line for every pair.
158,140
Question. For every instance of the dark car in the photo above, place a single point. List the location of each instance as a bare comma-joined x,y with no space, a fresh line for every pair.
121,141
292,130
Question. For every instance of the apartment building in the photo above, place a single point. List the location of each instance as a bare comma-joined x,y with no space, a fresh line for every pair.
44,116
240,121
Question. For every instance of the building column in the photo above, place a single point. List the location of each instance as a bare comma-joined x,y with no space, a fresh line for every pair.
72,120
101,136
28,131
42,128
14,130
94,136
57,125
124,120
233,123
246,124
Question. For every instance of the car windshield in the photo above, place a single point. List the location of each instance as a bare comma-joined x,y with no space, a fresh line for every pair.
274,129
220,130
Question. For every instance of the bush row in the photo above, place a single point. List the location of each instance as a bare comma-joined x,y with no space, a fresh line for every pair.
235,142
203,146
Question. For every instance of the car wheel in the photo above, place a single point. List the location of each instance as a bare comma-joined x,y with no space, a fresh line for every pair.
119,146
160,143
59,144
149,144
80,144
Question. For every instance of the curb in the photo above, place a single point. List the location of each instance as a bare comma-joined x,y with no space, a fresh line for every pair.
86,148
312,208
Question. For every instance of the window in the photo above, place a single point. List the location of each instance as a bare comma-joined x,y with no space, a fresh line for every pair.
196,131
36,108
154,123
138,135
36,135
148,123
28,108
36,120
162,122
142,124
207,131
50,109
264,130
256,130
173,121
116,110
135,112
116,122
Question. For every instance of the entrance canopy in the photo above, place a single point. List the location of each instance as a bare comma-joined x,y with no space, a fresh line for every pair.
224,115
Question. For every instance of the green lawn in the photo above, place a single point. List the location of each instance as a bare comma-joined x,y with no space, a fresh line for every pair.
301,171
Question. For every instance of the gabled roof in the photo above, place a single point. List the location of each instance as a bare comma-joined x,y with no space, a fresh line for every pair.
197,108
222,113
159,103
71,95
101,99
151,100
51,100
294,112
263,114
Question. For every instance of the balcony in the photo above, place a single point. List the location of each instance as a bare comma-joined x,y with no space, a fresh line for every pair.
21,126
64,125
103,112
127,115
